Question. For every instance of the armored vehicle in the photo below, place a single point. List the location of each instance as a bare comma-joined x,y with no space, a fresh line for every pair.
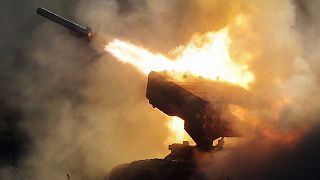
203,105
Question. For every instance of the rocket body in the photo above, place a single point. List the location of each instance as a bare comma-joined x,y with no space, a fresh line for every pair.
79,30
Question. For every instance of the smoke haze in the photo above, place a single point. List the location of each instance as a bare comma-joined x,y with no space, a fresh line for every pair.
68,108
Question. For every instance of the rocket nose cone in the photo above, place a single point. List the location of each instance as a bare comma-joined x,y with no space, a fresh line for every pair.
39,10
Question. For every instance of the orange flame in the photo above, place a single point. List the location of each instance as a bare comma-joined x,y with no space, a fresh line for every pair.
205,55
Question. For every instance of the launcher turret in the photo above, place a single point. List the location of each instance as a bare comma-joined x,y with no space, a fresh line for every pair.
202,104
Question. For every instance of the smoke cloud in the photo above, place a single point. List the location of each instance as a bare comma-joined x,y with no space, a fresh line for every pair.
66,107
275,44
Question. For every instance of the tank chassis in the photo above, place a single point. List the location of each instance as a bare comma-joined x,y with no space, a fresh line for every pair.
202,105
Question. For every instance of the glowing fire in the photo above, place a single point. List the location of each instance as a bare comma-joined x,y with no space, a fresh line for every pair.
205,55
176,125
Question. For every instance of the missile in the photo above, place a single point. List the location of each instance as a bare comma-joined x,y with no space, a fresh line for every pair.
78,30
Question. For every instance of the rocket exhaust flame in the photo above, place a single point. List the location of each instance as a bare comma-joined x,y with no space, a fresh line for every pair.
141,58
205,55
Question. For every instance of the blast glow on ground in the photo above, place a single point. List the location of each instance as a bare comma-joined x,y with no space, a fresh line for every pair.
206,55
